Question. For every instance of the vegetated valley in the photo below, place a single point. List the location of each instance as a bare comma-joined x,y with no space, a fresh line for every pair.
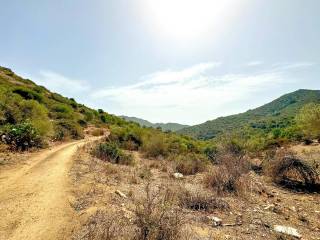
71,172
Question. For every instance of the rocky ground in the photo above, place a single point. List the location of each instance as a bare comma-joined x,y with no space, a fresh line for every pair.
263,211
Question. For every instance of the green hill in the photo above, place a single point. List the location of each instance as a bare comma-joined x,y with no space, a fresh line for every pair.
164,126
28,110
279,113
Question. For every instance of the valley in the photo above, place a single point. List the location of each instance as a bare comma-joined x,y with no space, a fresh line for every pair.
71,172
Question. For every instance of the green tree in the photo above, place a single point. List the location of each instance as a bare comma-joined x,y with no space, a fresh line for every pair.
308,120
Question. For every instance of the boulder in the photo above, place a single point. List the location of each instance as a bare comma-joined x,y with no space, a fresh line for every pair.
290,231
178,175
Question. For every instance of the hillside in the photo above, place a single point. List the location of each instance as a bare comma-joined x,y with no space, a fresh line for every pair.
34,113
164,126
276,114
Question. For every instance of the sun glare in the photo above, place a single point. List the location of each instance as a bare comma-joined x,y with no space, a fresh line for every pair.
189,19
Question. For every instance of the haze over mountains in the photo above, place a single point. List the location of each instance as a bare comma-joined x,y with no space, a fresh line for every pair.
164,126
277,114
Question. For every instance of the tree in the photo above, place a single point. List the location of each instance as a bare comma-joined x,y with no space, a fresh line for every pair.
308,119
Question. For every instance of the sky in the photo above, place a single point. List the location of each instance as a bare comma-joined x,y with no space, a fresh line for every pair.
185,61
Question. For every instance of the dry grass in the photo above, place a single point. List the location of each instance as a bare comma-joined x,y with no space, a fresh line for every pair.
104,225
190,164
188,200
157,217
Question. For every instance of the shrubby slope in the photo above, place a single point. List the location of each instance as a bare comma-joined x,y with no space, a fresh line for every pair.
278,114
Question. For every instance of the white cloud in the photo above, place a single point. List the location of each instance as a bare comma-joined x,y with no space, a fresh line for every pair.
190,95
61,84
294,65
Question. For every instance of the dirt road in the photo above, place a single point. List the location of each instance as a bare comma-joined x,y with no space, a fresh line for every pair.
34,199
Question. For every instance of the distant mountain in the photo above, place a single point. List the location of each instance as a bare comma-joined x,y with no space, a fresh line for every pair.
278,113
164,126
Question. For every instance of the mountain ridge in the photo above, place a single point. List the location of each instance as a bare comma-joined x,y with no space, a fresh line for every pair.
277,113
170,126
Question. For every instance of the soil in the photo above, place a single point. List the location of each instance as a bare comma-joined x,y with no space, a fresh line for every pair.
259,210
34,195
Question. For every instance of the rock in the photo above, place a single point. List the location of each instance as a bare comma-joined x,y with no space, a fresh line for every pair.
293,208
178,175
215,221
287,230
121,194
269,206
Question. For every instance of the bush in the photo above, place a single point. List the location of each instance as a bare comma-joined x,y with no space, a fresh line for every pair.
22,136
308,120
67,129
294,173
155,146
112,153
28,94
202,202
103,225
62,111
129,137
211,153
191,163
9,107
37,115
156,216
97,132
229,175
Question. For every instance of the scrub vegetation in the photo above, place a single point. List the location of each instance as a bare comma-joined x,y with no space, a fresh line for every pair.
138,182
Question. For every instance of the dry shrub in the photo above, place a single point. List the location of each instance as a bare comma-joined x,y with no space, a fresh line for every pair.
157,217
294,173
229,175
106,226
4,147
97,132
191,163
202,202
145,173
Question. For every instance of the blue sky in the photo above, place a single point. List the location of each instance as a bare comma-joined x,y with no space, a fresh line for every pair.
165,60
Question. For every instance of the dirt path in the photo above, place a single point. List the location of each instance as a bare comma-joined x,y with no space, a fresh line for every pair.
34,199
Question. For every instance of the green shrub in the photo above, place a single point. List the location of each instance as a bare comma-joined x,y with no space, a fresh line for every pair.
308,120
129,138
9,107
211,153
112,153
155,145
65,129
28,94
22,136
62,111
83,123
37,115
